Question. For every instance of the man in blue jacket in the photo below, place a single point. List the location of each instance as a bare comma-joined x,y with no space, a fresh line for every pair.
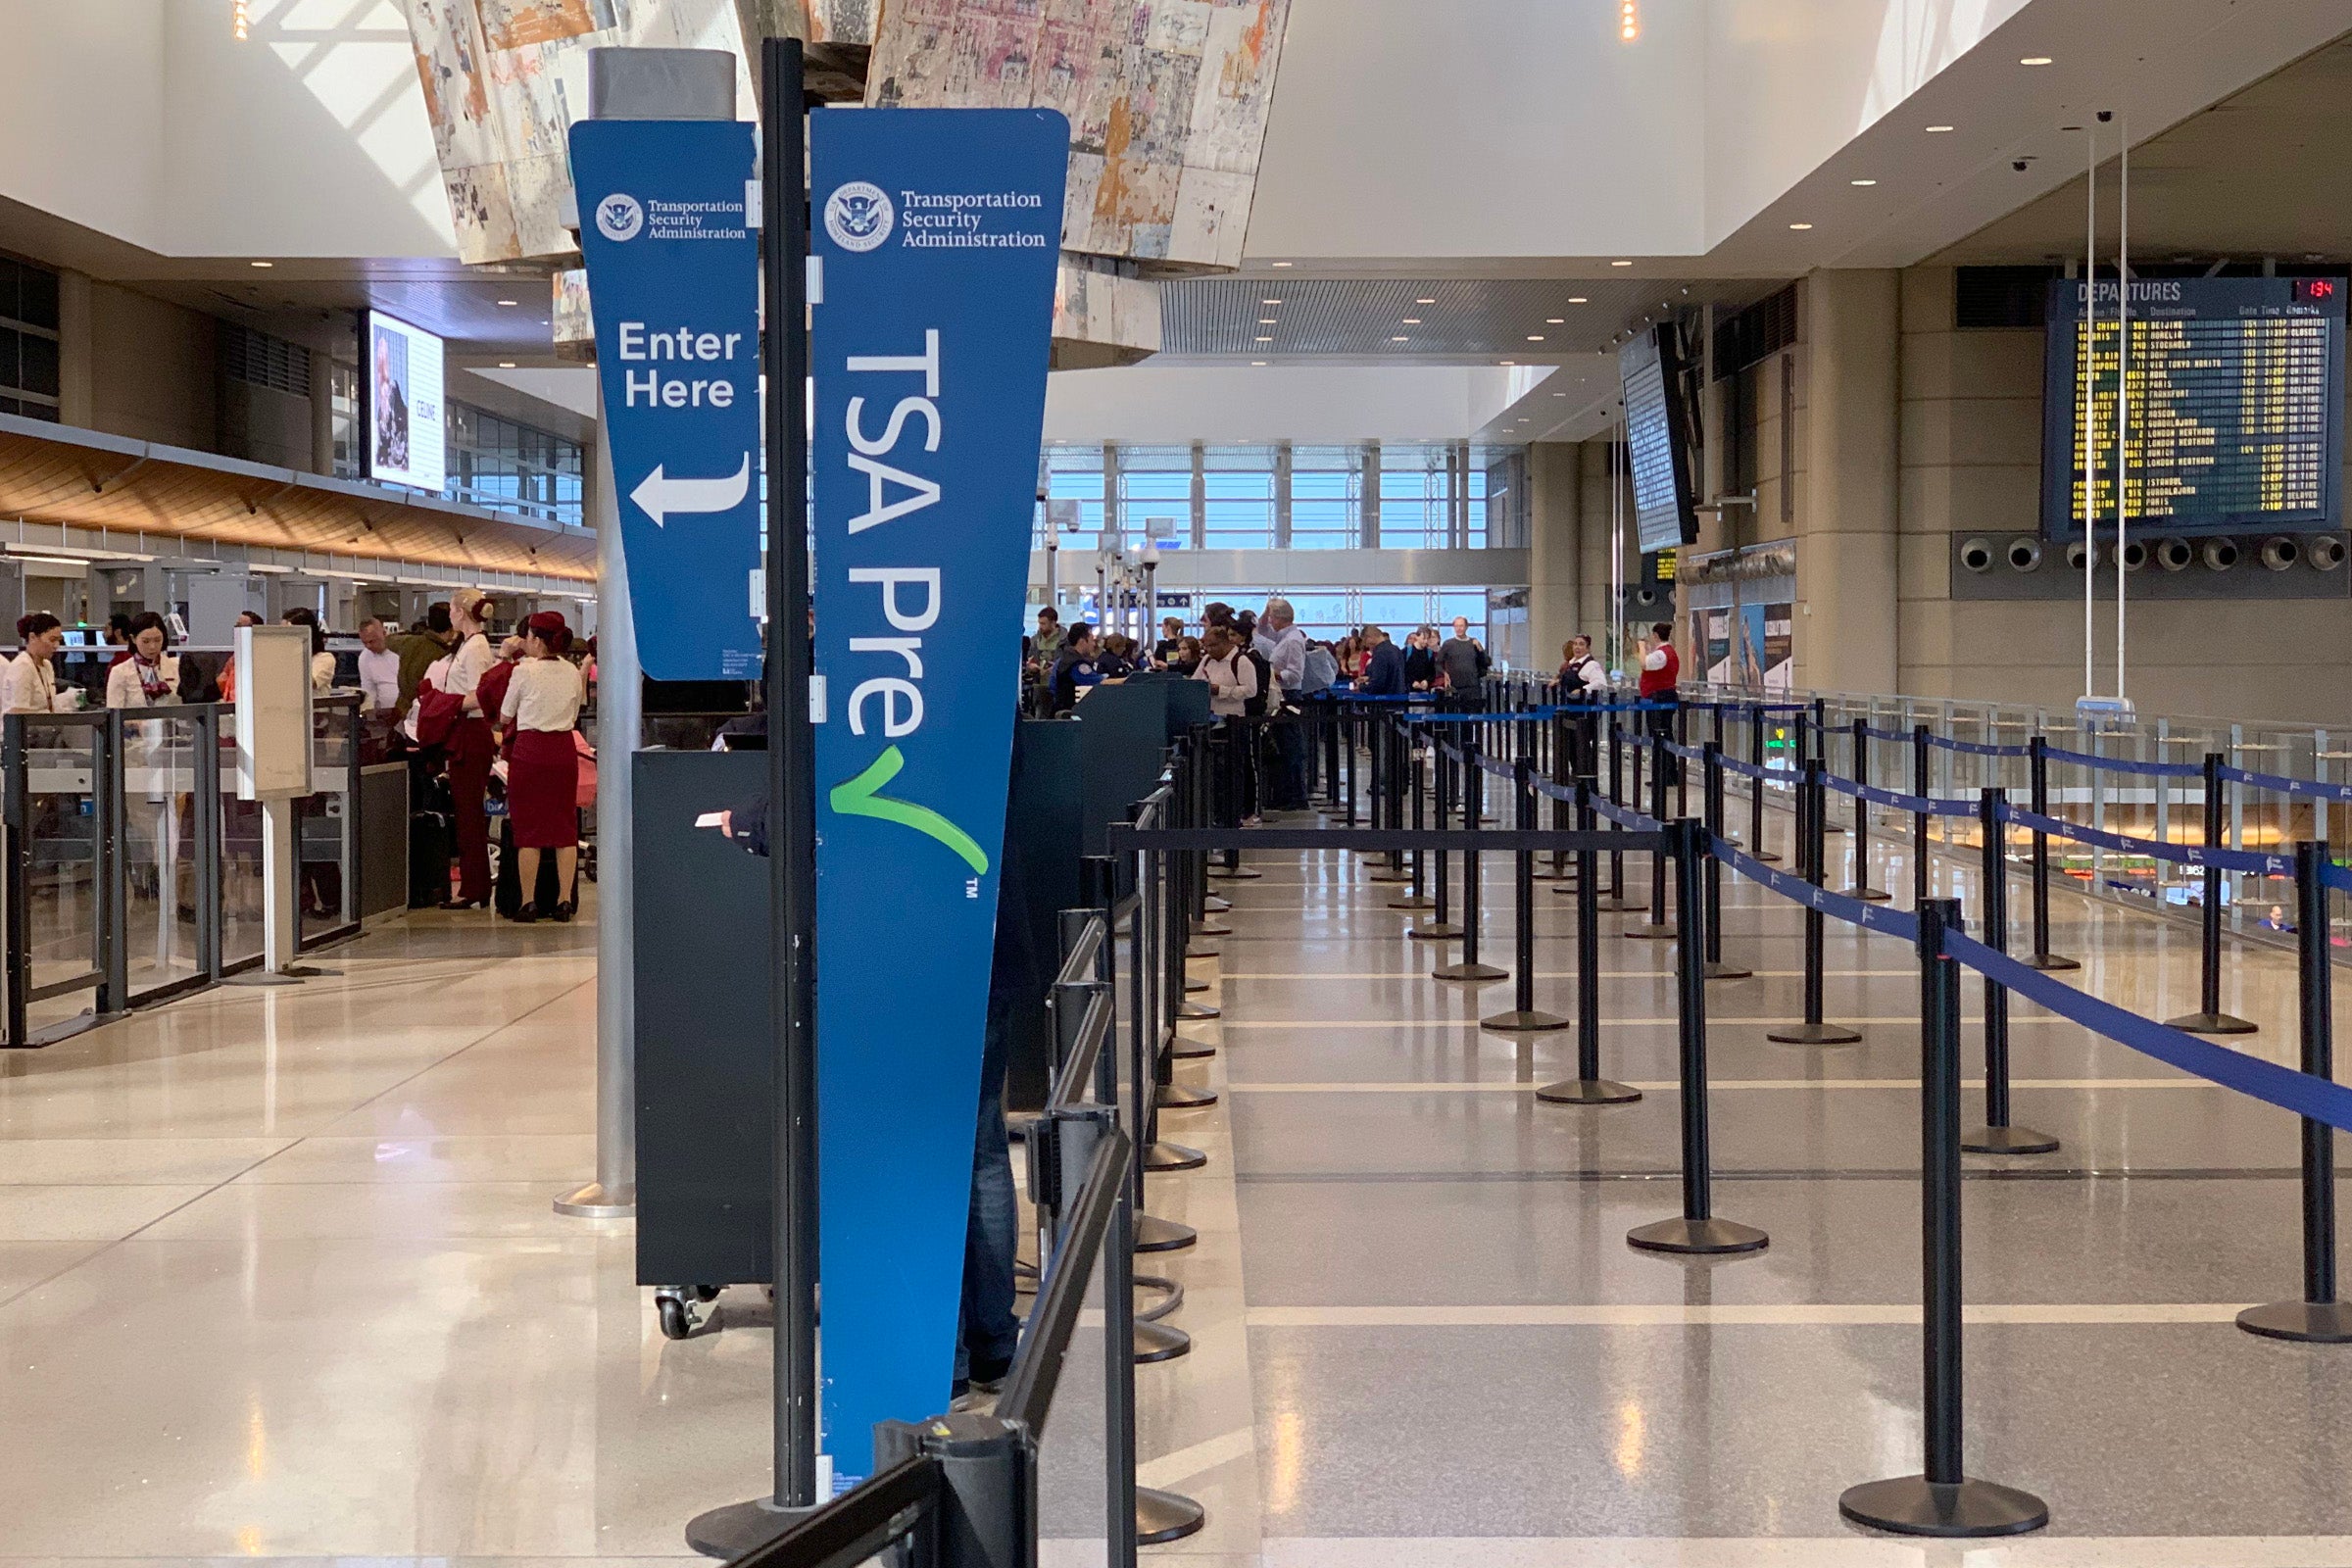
1384,676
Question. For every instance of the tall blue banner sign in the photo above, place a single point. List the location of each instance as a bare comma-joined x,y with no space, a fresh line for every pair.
938,232
674,276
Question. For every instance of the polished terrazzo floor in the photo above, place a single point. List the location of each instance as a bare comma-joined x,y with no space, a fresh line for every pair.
279,1279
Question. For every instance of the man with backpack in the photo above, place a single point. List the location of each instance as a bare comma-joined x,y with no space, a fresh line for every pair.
1235,695
1283,648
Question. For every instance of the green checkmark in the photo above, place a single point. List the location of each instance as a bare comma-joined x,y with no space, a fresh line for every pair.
858,798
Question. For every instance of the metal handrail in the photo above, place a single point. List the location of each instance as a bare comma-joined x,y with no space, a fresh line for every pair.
1028,1394
860,1523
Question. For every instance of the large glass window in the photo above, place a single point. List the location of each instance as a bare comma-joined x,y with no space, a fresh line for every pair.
1155,483
506,467
29,375
1327,498
1239,487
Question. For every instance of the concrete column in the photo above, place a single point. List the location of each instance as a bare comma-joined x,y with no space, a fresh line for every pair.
1555,528
74,350
1846,528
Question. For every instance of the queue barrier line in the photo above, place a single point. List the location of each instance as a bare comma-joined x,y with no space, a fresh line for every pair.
1796,889
2125,765
2249,862
2309,788
1898,737
1915,804
1979,748
2303,1094
1625,816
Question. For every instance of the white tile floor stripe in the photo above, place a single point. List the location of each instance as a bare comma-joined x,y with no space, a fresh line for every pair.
1677,1314
1838,1552
1514,1087
1174,1469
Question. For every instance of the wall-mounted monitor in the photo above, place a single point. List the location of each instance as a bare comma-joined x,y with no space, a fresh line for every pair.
1657,440
407,430
2236,405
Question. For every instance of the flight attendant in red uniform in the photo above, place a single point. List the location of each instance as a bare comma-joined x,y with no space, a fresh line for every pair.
543,705
1661,678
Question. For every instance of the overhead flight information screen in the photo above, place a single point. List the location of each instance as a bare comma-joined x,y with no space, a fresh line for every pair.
1657,443
2236,405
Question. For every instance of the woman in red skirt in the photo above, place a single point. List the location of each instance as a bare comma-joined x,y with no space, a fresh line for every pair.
543,767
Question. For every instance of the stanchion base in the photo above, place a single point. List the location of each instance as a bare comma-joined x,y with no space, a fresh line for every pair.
1814,1034
1212,928
1610,903
2211,1023
1480,973
1159,1155
1547,875
1868,894
1587,1092
1651,931
1184,1049
592,1201
1436,931
740,1527
1388,874
2309,1322
1163,1516
1914,1505
1516,1022
2007,1141
1196,1012
1155,1235
1717,969
1210,904
1413,901
1194,950
1238,874
1158,1341
2051,963
1702,1237
1194,986
1177,1097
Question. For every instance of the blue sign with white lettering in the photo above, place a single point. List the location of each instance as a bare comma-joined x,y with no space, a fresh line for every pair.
673,278
937,232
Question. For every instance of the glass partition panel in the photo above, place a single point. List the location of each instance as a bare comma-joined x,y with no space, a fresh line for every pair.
58,811
161,883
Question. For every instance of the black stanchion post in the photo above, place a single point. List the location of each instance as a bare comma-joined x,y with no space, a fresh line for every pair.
1997,1135
1681,774
1919,814
1388,804
1657,928
1755,786
1613,900
1417,897
1348,750
1441,927
1553,765
1473,793
1711,795
1944,1500
2319,1318
1861,888
1810,854
2038,773
1524,1017
1588,1087
1695,1230
2208,1018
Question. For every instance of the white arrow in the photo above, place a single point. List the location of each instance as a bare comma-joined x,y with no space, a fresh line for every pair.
659,495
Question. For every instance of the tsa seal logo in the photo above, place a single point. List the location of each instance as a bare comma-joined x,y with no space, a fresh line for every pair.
619,217
859,217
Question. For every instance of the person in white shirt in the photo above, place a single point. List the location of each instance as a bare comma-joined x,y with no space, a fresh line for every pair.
30,678
1232,684
150,676
1285,647
379,667
472,749
543,763
323,662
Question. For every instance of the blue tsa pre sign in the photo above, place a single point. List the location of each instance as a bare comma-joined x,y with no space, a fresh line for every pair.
673,277
937,232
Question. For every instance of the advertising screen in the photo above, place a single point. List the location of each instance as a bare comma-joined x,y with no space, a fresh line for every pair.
406,429
2236,404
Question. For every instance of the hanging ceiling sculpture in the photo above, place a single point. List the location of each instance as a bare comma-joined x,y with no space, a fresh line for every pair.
1167,102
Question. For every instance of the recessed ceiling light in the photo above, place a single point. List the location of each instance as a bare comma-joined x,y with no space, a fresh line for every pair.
1285,264
1258,361
2034,60
1425,302
1265,340
1506,361
510,302
1535,337
1265,320
1269,302
1412,320
1621,263
1938,130
1559,394
506,364
261,264
1400,340
1578,299
1801,226
1862,183
1555,320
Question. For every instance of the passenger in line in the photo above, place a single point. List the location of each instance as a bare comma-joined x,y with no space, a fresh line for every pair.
1462,661
228,666
421,649
1384,668
1421,661
1171,637
1187,657
1232,678
1322,668
379,667
1284,648
542,708
472,749
31,676
1049,640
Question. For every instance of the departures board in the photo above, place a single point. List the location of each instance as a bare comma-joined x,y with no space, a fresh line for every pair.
2236,406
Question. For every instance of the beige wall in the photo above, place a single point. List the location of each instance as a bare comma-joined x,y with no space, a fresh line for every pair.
1972,460
150,368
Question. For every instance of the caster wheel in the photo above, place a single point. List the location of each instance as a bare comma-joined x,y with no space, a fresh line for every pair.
677,1322
707,1292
